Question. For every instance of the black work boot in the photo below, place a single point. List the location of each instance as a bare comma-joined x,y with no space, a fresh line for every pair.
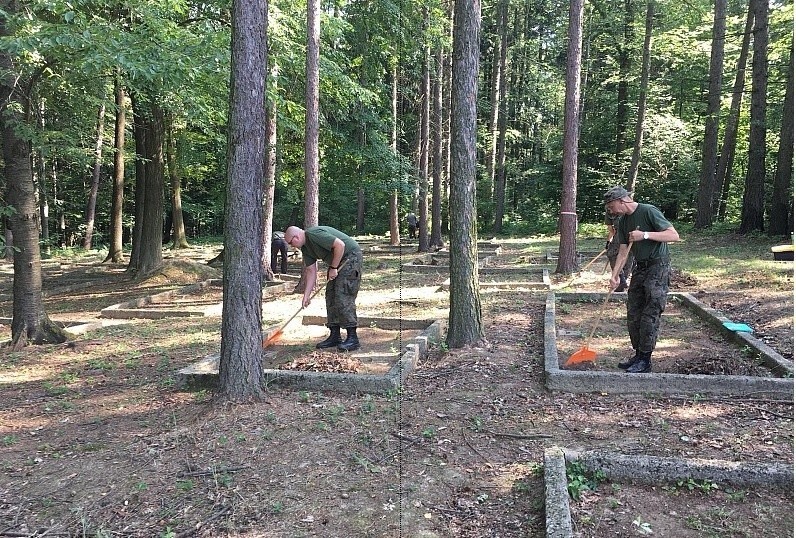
351,341
622,283
629,362
332,340
642,365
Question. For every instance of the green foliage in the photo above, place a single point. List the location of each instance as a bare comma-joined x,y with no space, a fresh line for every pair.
579,479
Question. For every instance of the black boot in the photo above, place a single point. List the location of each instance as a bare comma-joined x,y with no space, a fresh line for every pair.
629,362
332,340
351,341
622,284
642,365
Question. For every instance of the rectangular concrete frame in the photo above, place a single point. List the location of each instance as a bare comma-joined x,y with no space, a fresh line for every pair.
578,381
650,470
136,307
205,372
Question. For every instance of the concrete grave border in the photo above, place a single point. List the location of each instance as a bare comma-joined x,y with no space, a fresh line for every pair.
581,381
136,308
205,372
648,470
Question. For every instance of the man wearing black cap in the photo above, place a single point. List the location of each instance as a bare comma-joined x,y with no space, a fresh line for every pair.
643,230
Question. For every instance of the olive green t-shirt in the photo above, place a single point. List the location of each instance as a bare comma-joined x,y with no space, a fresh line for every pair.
646,218
319,241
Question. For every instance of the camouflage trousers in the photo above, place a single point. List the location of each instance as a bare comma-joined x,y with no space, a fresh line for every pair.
646,300
341,293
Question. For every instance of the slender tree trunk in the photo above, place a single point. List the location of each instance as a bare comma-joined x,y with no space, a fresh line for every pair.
240,365
465,326
178,239
436,156
568,221
499,179
446,125
622,88
494,92
270,179
91,205
360,210
708,184
117,201
44,206
642,98
425,113
30,322
724,169
781,214
395,229
754,188
311,171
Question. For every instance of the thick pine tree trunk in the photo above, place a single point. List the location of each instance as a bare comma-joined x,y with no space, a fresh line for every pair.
568,221
240,365
707,183
465,325
754,188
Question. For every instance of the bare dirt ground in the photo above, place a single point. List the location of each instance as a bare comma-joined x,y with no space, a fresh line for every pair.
97,441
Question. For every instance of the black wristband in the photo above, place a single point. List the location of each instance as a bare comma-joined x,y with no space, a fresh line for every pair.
333,267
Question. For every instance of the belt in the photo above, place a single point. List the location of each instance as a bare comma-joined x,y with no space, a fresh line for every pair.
646,264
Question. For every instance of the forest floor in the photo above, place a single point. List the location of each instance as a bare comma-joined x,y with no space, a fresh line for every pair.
97,440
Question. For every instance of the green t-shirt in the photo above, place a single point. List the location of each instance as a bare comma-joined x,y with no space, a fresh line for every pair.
646,218
319,241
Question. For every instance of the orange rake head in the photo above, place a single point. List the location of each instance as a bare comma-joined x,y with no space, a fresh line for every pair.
274,338
584,354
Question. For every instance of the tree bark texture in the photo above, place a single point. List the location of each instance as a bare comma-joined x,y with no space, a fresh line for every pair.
311,171
622,88
708,183
465,325
436,156
240,366
96,169
754,188
269,185
632,174
117,201
425,120
500,146
727,156
568,220
30,322
44,206
781,214
147,256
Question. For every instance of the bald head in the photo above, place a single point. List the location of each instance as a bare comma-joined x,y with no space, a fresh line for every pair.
294,236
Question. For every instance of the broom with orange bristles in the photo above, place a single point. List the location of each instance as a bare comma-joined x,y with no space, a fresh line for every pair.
276,335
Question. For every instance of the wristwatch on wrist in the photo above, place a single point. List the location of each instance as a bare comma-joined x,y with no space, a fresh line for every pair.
646,235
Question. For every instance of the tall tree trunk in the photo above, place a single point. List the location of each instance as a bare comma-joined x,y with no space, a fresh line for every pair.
754,188
642,98
500,147
436,156
360,210
425,113
465,324
395,229
568,221
117,201
311,172
240,365
781,216
30,322
178,239
91,204
622,88
707,182
724,169
447,74
494,92
44,206
147,254
270,178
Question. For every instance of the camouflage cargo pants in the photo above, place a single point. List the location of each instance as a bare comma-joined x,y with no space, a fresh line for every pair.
612,252
646,300
341,293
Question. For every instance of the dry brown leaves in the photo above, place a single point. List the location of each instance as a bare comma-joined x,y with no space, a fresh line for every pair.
319,361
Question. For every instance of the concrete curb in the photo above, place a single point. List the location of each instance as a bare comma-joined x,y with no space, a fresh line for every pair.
579,381
558,519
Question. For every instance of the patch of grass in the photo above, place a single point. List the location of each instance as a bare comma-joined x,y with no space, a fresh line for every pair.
54,390
9,440
100,364
185,485
429,432
579,479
